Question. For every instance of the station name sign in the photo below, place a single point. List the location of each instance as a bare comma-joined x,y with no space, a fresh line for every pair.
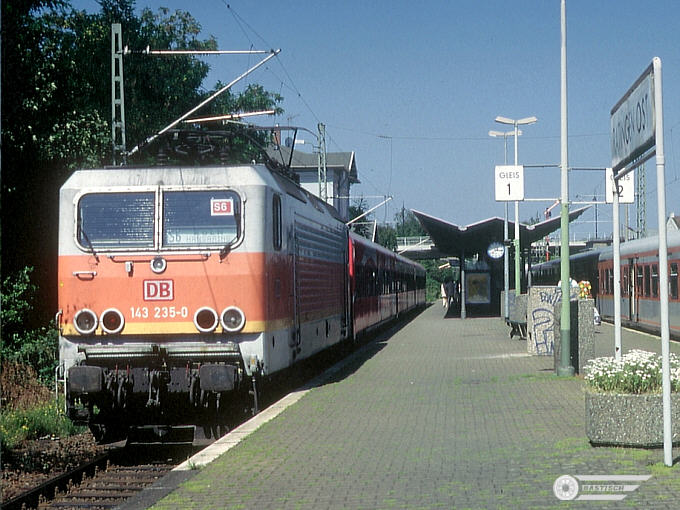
632,122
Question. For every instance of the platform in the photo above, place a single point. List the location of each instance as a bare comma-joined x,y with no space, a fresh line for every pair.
440,413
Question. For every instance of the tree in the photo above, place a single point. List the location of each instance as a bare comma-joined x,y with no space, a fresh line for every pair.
56,106
33,347
361,227
387,236
407,225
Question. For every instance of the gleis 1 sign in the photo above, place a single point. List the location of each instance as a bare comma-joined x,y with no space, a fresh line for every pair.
509,182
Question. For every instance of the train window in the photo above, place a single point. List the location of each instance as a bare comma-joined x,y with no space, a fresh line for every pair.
673,280
639,286
276,221
655,281
648,281
116,220
624,281
201,218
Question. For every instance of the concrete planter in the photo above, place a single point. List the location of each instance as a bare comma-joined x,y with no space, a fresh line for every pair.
628,419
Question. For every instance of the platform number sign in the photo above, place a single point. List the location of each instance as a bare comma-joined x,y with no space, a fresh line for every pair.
626,187
509,183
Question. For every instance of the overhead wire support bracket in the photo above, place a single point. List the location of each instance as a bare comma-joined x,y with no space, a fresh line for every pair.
118,91
587,169
230,116
147,51
369,211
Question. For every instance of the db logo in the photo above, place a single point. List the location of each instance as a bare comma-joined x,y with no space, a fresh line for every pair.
158,290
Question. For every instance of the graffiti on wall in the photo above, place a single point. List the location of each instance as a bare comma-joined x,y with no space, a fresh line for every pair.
543,320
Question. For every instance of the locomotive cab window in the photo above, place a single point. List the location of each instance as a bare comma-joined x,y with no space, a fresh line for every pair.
116,220
201,218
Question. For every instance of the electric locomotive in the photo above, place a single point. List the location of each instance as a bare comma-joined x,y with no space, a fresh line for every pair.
181,287
177,286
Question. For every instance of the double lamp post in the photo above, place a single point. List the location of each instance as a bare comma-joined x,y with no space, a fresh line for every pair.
515,133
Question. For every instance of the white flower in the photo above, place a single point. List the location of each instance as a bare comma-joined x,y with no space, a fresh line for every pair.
636,372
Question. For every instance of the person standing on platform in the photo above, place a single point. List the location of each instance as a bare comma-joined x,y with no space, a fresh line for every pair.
450,290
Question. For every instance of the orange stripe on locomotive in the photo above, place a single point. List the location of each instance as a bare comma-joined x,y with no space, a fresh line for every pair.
259,284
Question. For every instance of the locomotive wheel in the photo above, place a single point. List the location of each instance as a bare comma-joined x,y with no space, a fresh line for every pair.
107,433
121,395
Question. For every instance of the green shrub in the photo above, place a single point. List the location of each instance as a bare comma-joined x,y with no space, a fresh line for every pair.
17,425
37,347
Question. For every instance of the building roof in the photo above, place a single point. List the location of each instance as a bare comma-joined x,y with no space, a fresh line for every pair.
307,162
451,239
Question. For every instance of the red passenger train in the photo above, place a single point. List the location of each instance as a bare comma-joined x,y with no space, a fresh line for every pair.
180,287
640,289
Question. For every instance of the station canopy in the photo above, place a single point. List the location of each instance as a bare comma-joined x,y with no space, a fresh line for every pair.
452,240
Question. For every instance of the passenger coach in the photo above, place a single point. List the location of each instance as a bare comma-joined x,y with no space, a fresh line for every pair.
640,288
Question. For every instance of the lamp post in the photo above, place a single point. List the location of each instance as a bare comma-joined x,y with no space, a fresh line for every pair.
565,368
515,123
506,260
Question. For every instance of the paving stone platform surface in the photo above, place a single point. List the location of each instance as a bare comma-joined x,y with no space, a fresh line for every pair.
439,413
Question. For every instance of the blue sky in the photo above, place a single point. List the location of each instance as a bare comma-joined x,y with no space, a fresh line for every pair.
413,88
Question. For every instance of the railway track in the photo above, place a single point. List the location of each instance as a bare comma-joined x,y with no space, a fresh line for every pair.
110,487
104,483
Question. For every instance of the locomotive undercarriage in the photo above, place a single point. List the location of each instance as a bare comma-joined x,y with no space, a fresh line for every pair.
180,396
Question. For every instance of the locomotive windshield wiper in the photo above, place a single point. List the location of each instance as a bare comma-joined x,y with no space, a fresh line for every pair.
87,239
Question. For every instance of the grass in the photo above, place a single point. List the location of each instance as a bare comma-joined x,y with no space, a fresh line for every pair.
46,419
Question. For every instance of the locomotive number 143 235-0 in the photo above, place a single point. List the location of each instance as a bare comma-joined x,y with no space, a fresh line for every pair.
159,312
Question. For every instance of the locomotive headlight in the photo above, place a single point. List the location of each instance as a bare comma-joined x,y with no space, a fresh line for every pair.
85,321
205,319
233,319
112,321
158,265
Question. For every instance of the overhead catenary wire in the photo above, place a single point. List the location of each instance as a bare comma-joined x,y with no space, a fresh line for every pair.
241,22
